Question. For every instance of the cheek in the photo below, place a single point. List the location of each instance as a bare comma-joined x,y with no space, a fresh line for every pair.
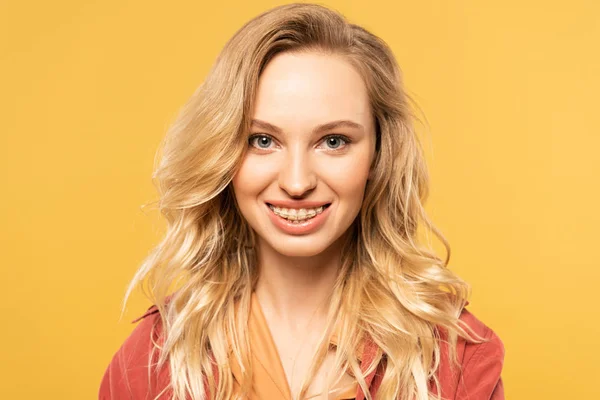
254,176
348,178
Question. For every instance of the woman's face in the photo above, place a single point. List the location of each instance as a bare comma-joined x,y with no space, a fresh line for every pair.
302,181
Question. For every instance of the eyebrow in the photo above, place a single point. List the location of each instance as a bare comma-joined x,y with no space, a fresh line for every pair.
319,128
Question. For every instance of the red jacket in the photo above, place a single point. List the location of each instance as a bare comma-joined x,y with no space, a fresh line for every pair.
478,377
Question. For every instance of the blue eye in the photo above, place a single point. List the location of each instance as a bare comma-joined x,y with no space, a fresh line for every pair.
262,141
334,142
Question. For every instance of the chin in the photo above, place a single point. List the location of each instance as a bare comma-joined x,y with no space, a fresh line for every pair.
294,249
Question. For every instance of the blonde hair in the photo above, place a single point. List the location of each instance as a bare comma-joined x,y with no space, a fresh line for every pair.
390,288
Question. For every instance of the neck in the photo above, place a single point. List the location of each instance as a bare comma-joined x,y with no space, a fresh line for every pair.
294,290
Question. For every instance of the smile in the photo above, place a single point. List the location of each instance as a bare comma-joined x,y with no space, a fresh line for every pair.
297,215
298,221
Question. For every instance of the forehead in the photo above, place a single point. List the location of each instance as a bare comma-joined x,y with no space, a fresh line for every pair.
306,89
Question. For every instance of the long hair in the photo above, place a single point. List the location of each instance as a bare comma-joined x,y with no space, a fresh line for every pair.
390,288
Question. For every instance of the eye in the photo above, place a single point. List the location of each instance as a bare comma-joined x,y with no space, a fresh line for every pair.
260,141
265,142
336,142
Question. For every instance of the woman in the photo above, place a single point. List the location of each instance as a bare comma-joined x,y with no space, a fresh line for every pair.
293,184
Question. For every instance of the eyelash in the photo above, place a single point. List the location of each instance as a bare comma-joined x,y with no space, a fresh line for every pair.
346,140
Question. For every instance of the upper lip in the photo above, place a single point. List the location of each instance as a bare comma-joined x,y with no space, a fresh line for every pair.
297,203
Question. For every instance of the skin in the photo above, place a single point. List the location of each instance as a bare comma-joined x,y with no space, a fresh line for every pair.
296,93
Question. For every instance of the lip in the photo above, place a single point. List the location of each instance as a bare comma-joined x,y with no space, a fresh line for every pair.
301,228
297,204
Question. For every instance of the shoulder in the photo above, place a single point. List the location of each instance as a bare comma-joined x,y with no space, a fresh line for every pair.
128,375
478,374
491,351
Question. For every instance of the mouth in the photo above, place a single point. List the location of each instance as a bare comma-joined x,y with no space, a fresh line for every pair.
297,215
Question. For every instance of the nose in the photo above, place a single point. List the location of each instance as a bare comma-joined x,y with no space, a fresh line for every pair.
296,176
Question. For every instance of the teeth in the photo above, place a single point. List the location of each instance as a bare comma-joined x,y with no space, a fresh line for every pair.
296,215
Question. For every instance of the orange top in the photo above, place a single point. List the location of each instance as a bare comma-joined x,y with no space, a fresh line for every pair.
269,379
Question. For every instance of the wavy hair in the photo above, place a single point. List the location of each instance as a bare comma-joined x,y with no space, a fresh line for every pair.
390,288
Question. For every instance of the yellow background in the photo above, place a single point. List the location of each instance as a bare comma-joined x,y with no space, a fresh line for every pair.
87,89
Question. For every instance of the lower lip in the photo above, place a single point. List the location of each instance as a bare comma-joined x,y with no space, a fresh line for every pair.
300,228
